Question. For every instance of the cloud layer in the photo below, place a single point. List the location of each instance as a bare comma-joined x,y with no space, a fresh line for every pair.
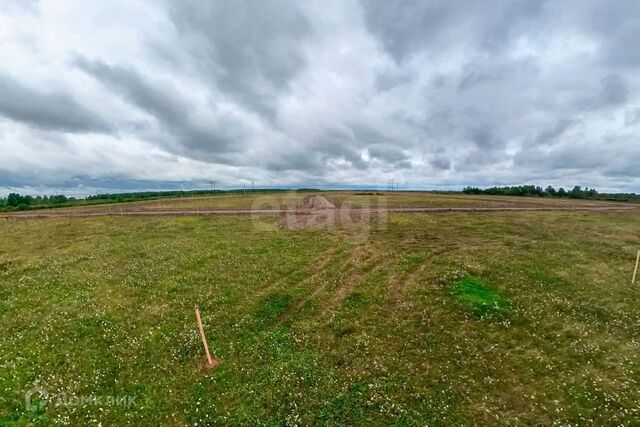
439,94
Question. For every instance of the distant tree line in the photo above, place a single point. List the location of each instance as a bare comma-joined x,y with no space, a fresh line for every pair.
576,192
142,195
15,201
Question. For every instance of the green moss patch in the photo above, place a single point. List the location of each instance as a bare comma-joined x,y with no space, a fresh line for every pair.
272,307
484,301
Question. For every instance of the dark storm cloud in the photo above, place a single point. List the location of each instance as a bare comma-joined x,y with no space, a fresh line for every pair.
359,91
549,134
474,78
249,49
10,179
505,99
407,28
496,72
332,148
115,184
339,144
386,81
404,28
485,138
387,153
627,170
618,26
613,91
127,82
513,18
575,156
441,162
50,184
294,160
199,140
53,110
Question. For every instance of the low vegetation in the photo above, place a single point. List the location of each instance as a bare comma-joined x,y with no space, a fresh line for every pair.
480,298
576,192
18,202
495,319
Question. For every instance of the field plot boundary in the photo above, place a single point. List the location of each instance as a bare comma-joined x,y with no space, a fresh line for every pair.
307,211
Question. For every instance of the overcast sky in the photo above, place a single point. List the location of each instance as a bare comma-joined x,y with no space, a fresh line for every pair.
116,95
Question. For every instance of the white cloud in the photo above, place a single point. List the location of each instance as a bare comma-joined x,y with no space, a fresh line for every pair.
308,93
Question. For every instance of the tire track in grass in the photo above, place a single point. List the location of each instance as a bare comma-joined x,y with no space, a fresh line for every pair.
314,292
321,263
409,270
374,261
321,266
345,268
399,283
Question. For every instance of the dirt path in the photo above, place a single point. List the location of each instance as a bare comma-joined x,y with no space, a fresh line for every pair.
316,201
313,210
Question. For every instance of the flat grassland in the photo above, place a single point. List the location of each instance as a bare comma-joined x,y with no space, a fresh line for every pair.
452,318
292,199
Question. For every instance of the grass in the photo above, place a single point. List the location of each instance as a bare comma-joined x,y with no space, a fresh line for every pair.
429,199
146,199
220,201
481,299
315,326
273,307
291,199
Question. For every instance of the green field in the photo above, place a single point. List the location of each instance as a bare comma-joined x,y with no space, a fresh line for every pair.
447,319
291,199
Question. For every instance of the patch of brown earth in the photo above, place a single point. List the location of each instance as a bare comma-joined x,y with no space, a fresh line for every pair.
320,211
316,201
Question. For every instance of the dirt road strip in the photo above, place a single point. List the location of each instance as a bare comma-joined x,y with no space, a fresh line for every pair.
309,209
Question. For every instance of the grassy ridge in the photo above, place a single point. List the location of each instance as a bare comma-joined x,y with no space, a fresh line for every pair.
330,327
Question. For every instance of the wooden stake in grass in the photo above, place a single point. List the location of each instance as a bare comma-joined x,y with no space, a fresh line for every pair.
211,363
635,270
